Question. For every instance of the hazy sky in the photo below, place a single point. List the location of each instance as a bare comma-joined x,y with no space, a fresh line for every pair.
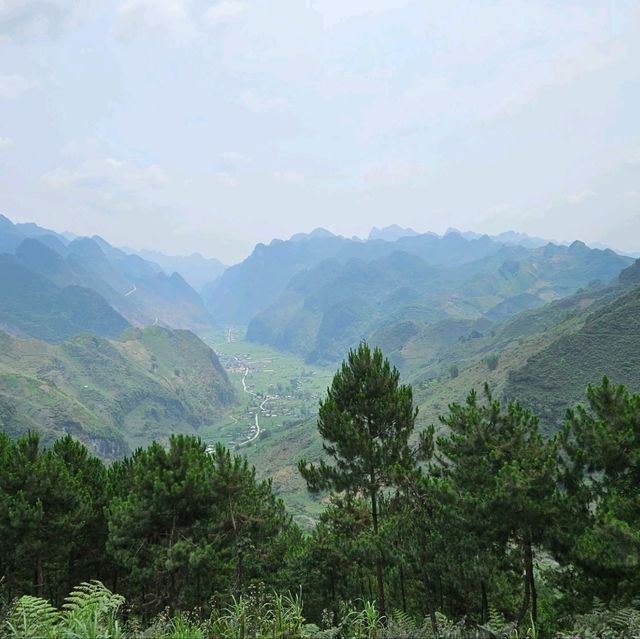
210,125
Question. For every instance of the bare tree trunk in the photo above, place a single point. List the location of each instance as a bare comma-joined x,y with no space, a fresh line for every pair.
402,592
429,598
39,577
532,582
484,609
379,566
530,595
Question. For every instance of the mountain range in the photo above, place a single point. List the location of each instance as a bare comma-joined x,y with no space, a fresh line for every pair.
116,288
329,307
104,343
543,357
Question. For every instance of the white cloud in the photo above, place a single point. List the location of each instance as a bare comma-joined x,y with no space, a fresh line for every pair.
227,178
233,157
6,143
230,165
394,173
289,176
107,177
171,17
27,20
581,196
13,86
335,11
224,11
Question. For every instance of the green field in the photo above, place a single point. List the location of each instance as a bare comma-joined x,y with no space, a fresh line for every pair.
286,420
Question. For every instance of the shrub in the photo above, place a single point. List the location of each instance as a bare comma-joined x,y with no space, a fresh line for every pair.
492,361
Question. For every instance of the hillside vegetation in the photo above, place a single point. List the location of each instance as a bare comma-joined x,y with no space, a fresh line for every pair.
30,304
444,359
608,342
200,548
112,394
330,307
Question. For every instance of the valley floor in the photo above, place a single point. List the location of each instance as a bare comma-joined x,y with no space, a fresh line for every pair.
273,420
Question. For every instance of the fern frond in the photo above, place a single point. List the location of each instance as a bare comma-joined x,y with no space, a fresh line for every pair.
32,617
90,612
90,595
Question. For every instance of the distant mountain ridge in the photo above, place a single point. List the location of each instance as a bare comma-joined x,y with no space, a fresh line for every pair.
251,286
33,305
327,309
136,289
195,269
391,233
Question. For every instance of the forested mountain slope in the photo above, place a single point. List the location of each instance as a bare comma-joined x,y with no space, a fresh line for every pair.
246,288
607,343
137,289
111,394
543,357
443,360
33,305
253,285
325,310
195,269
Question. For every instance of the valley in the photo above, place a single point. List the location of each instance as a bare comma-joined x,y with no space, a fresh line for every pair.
272,421
319,320
104,344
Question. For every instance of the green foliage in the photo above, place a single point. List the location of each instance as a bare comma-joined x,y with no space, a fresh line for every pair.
185,523
504,478
605,623
366,623
606,341
90,612
494,530
32,617
103,391
365,421
602,441
492,361
51,520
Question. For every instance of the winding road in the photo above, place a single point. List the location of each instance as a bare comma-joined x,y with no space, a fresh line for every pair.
261,409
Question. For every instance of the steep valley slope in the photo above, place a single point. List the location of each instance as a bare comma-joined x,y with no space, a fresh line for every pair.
329,308
112,394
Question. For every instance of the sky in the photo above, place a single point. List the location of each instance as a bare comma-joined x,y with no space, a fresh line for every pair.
211,125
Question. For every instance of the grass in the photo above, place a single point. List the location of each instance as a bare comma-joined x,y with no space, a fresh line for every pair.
288,425
106,393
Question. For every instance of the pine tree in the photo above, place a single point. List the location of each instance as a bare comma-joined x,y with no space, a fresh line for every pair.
366,421
48,517
602,441
505,477
185,524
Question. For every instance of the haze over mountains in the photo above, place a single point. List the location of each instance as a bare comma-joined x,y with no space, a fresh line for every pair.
137,289
107,344
318,295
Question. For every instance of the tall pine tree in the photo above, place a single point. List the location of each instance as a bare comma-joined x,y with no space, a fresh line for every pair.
366,421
